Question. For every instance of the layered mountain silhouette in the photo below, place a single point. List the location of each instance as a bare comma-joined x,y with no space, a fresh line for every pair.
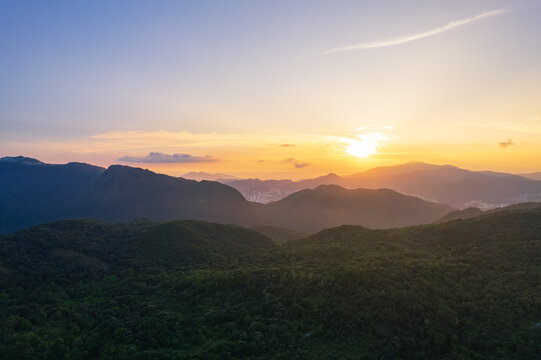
451,185
123,193
441,183
265,191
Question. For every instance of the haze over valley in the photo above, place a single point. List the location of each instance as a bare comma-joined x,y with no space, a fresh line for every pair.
446,184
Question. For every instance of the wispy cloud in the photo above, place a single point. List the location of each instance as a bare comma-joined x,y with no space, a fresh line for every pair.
506,144
404,39
287,145
297,164
161,158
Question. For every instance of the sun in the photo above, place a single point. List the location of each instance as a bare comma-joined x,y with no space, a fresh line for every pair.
365,145
360,148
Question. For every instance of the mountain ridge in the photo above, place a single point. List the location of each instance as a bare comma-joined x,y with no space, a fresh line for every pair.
447,184
123,193
335,205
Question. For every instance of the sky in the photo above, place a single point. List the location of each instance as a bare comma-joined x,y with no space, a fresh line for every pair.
272,89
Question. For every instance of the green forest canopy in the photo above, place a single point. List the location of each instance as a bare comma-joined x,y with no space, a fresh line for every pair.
83,289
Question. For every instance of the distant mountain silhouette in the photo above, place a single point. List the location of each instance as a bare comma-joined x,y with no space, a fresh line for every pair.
442,183
533,176
34,193
124,193
450,185
265,191
200,175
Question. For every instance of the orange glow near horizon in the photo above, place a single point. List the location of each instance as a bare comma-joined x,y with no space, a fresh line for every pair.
282,155
378,85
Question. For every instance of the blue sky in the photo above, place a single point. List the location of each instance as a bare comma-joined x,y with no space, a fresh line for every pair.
70,70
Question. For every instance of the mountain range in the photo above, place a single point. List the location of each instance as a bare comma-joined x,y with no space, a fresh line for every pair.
446,184
33,192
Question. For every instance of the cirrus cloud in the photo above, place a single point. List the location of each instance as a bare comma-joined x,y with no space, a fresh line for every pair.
413,37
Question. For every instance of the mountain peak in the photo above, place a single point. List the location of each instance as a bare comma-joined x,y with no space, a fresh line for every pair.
418,165
21,160
330,175
413,162
126,170
329,187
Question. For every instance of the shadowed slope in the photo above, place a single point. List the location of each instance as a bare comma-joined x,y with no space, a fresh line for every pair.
32,192
125,193
332,205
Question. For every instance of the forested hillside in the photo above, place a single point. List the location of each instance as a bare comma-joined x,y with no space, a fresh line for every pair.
82,289
473,211
331,205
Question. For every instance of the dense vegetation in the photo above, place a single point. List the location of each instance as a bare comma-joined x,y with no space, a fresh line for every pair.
82,289
280,235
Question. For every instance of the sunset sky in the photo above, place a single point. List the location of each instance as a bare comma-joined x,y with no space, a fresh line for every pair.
275,89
